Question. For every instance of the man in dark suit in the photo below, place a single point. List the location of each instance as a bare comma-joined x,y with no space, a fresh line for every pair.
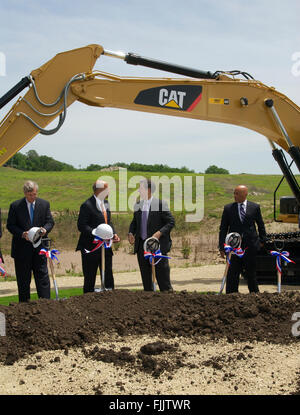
242,216
152,218
28,212
93,212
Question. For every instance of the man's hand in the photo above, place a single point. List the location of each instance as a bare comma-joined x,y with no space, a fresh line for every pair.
157,235
116,238
222,253
43,231
25,235
131,238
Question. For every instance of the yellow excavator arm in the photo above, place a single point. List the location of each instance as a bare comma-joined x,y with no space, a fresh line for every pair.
220,97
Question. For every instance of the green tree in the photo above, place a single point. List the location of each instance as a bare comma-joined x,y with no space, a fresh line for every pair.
216,170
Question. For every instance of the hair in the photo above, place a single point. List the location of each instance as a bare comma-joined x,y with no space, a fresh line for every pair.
30,186
148,184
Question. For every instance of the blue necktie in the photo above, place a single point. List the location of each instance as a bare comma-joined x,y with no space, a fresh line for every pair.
31,212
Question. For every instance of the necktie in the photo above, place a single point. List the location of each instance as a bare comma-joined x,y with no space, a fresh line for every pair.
104,212
242,212
144,223
31,212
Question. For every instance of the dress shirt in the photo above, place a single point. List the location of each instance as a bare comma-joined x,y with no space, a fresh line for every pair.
146,205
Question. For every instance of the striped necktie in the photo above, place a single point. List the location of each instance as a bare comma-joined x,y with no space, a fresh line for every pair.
242,212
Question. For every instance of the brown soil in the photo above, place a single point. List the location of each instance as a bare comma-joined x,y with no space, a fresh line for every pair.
151,336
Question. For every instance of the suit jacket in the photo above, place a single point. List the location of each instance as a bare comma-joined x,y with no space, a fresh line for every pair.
231,222
159,219
89,218
18,221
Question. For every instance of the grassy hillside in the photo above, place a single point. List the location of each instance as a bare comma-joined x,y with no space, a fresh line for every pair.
67,190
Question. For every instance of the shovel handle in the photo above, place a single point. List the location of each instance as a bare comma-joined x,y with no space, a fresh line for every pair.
53,276
225,273
102,267
278,281
153,275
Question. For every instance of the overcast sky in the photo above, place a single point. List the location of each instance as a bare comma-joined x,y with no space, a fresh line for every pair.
257,36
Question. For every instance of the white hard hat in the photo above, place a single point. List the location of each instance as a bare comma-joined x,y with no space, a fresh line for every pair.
233,239
35,236
103,231
151,244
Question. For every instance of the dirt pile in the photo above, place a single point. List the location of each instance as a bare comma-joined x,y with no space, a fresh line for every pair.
80,321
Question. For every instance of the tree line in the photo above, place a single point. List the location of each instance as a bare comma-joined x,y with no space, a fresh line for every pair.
32,161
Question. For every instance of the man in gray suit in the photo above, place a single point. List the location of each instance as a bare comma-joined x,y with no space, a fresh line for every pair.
242,216
152,218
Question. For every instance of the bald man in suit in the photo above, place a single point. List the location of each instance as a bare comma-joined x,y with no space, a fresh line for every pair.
93,212
243,217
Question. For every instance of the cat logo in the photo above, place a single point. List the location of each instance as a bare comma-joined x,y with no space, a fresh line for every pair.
176,97
172,99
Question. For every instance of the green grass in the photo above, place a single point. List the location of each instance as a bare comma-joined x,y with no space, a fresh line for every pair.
66,191
70,292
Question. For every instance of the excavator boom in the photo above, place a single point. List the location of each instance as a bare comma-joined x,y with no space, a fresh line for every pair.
219,97
227,97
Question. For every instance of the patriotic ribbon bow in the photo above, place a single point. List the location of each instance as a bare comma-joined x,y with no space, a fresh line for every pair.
2,270
50,254
99,241
236,251
156,254
281,255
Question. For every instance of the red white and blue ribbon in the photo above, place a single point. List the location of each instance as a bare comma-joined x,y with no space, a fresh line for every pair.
50,254
152,255
281,255
2,270
236,251
107,243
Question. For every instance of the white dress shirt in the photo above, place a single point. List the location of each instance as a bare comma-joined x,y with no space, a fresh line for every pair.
146,205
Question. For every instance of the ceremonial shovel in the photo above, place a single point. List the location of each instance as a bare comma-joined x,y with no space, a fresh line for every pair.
234,240
152,245
102,288
105,233
47,243
225,273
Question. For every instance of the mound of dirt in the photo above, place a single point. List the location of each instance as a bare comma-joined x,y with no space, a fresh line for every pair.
78,321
